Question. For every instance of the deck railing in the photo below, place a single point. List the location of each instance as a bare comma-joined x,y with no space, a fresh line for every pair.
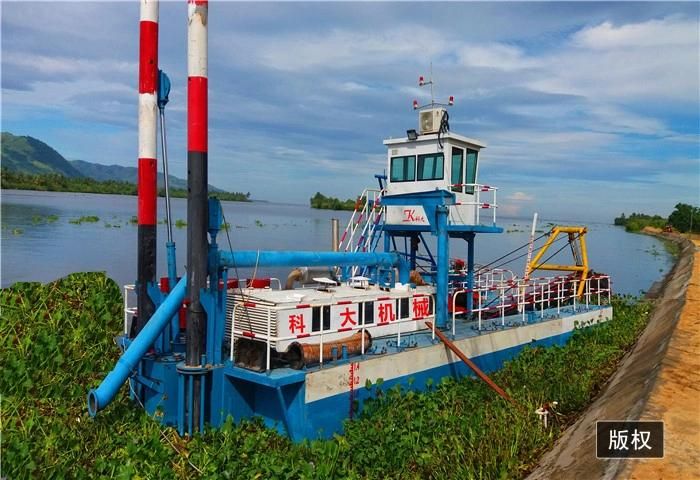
538,293
478,203
129,293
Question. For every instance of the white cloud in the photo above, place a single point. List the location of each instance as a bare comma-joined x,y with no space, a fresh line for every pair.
63,65
536,149
643,61
520,197
352,87
495,55
671,31
336,49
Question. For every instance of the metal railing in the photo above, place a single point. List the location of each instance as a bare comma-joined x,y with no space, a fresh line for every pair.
128,310
538,293
362,220
478,203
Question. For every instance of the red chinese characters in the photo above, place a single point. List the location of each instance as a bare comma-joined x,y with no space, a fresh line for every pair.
296,323
344,315
385,312
347,319
421,307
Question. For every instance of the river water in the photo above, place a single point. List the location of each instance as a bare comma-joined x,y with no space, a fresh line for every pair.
40,244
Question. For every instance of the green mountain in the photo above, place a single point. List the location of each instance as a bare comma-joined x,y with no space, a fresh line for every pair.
31,156
103,173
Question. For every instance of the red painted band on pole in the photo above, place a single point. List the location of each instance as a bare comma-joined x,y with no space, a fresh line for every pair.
148,57
197,114
147,191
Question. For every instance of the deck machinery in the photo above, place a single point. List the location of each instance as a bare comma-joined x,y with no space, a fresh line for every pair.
300,358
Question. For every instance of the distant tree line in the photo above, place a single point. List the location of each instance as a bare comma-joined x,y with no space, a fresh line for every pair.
53,182
683,218
331,203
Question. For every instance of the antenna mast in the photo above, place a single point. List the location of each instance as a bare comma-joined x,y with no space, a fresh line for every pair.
423,83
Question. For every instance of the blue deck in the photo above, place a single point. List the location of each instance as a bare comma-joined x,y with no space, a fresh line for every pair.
278,396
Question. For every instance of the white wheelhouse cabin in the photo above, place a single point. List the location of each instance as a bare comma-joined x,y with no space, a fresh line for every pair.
432,161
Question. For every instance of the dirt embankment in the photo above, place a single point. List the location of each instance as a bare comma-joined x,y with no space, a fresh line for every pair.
658,379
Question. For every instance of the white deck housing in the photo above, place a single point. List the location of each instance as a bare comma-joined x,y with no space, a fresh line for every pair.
304,315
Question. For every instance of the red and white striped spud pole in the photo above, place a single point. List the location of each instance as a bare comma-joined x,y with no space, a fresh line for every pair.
197,207
147,162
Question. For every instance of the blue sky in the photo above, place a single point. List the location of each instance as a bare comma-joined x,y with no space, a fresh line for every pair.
588,109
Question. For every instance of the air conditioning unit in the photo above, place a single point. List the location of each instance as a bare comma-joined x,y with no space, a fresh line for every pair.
429,120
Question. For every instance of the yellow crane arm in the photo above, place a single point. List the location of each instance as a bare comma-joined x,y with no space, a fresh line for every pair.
580,265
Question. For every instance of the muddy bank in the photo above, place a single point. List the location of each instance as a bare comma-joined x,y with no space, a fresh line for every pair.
629,389
675,398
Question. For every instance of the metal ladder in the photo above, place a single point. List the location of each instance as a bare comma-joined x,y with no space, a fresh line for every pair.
364,227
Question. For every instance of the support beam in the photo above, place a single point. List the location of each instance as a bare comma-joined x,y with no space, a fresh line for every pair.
443,265
470,272
414,240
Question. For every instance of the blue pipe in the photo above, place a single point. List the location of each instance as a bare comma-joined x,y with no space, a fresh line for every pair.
251,258
101,396
172,263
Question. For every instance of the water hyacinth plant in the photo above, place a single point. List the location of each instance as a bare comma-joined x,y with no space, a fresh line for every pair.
57,342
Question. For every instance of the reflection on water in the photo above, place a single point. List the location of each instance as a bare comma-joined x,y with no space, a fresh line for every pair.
37,246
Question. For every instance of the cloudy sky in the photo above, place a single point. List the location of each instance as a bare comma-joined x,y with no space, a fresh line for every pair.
588,109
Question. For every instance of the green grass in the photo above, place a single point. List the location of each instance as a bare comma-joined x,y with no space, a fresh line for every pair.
57,342
672,248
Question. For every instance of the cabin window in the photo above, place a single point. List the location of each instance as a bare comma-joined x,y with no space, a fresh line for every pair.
457,171
404,309
367,313
471,170
316,315
431,166
403,169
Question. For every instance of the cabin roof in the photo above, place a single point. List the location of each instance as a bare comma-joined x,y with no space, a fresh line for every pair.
291,298
433,137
